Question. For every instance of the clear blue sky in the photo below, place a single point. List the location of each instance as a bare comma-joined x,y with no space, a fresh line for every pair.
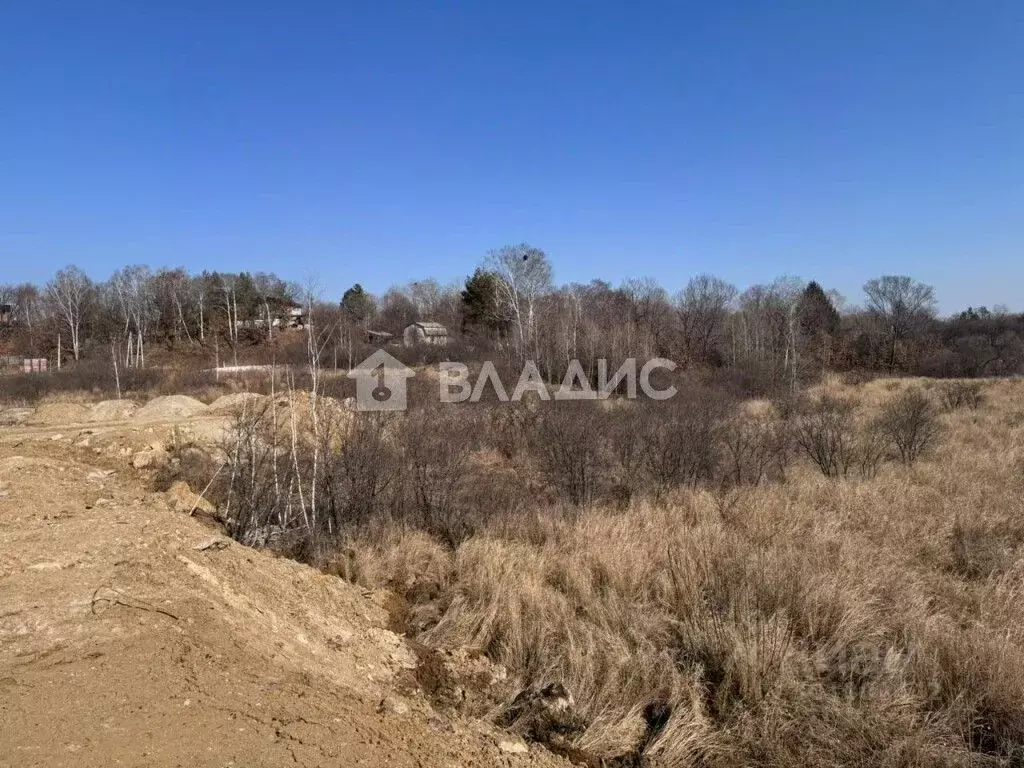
382,142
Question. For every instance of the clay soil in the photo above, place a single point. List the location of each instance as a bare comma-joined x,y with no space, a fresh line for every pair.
133,634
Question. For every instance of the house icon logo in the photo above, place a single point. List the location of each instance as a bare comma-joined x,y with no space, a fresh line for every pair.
380,383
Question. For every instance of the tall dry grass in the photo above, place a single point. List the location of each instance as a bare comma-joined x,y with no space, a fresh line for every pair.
868,620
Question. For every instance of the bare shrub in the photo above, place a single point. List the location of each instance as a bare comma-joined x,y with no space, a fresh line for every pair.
302,472
436,445
568,440
90,377
680,443
258,480
626,436
955,395
754,448
838,440
362,471
509,427
826,434
25,389
870,450
190,464
96,378
811,624
910,422
858,376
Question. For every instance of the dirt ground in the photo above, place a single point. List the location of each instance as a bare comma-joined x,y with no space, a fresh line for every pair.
133,634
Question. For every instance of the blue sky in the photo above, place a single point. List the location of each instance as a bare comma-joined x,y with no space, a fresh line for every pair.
380,142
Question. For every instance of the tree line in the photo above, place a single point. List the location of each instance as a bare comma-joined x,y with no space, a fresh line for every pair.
781,332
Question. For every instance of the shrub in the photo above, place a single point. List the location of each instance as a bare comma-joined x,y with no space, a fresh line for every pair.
96,377
362,469
258,477
626,437
961,394
816,624
680,443
870,450
910,423
753,448
436,445
510,424
568,440
191,464
301,473
825,433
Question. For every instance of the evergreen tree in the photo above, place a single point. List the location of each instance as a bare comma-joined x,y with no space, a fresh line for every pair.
817,315
819,326
480,304
358,306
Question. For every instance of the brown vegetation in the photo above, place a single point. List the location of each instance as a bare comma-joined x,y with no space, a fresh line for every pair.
740,604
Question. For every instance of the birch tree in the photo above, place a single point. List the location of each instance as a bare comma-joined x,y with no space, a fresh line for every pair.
71,291
133,286
525,274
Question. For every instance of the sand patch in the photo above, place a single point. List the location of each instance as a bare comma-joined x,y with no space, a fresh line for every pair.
170,407
58,413
112,410
236,403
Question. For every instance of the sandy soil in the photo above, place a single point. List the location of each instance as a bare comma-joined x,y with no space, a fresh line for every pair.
133,634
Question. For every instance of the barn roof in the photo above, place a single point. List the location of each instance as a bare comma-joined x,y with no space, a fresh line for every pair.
431,328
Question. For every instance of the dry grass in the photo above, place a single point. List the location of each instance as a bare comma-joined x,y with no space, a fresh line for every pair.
816,622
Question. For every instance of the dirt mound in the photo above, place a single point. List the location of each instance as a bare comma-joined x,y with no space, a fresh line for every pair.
303,406
57,414
11,417
170,407
133,635
112,410
236,403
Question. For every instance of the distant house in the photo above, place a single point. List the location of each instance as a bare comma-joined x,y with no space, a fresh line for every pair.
425,332
296,317
378,337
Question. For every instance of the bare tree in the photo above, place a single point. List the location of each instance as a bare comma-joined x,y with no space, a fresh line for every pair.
171,294
426,295
901,305
31,312
134,288
71,291
651,311
703,306
398,310
272,291
227,285
525,274
201,289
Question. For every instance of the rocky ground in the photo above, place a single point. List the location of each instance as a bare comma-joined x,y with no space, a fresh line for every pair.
134,633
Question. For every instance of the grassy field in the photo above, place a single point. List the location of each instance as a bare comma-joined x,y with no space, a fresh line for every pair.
815,622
